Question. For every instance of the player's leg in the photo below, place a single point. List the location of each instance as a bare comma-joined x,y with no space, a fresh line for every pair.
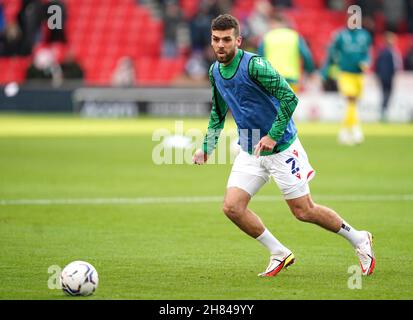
292,171
304,209
352,121
235,208
247,177
350,86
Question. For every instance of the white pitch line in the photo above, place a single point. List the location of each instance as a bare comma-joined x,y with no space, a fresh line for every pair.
197,199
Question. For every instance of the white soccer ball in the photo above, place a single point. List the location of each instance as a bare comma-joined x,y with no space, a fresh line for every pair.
79,278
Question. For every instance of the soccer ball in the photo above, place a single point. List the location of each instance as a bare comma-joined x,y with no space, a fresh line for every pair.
79,278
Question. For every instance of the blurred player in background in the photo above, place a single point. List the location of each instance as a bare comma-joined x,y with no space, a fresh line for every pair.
262,104
284,48
388,62
350,50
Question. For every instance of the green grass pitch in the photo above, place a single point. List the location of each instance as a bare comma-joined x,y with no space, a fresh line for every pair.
190,250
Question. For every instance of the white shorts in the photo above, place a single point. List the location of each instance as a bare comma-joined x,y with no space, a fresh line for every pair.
290,169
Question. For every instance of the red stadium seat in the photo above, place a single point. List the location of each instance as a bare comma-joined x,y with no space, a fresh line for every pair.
13,69
309,4
11,9
118,28
189,7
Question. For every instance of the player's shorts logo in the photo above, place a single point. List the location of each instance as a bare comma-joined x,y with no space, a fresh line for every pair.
294,169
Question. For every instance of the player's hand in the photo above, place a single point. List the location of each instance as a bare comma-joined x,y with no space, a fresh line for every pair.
364,66
265,144
200,157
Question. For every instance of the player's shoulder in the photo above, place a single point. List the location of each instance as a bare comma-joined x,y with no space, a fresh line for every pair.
211,68
366,34
251,56
211,73
258,61
260,65
361,36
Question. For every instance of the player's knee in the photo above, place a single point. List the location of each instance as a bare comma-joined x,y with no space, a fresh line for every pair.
303,212
231,210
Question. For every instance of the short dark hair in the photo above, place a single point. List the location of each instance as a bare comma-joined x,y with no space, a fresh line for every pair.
226,22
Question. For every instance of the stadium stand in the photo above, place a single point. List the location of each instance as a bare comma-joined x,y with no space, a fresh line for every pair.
317,26
13,69
189,8
100,32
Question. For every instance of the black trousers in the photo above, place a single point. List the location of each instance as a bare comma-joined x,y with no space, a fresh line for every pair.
386,89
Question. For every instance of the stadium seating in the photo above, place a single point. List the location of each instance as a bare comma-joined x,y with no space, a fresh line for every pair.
100,32
317,27
243,8
11,8
189,8
103,31
305,4
13,69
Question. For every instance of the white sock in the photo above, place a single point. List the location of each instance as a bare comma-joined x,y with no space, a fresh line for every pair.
352,235
271,243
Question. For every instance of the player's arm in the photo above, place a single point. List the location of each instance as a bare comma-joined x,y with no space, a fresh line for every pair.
261,48
366,60
306,55
331,57
215,125
262,73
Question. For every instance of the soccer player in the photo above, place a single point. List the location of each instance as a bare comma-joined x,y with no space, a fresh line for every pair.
262,104
284,48
350,50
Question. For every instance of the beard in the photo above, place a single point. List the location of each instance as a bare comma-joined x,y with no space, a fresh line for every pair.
225,57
